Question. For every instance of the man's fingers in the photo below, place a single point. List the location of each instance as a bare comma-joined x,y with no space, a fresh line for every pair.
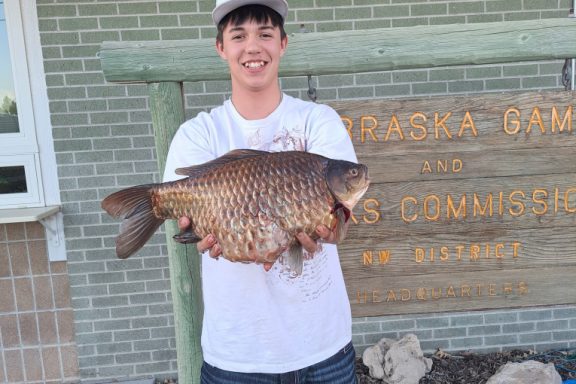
307,242
215,251
206,243
325,234
183,223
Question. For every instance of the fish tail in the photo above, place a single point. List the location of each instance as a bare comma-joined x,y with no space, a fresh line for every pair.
134,205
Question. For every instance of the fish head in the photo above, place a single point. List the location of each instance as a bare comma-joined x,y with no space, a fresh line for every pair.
347,181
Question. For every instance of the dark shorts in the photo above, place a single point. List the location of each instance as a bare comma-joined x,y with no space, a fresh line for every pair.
337,369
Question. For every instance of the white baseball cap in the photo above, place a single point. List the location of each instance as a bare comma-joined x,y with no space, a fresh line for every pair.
224,7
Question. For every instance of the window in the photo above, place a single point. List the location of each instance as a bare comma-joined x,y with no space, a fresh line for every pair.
28,179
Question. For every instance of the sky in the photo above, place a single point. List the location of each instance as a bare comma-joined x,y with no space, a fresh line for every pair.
6,84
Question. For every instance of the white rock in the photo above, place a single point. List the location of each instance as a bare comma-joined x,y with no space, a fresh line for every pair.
533,372
397,362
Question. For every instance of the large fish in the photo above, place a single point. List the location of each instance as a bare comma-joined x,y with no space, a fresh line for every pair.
253,202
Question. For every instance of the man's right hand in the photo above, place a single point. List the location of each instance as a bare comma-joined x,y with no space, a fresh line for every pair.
207,243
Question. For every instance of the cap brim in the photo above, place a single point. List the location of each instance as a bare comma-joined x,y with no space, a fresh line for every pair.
222,10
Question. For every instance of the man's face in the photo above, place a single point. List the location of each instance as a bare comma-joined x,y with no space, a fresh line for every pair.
253,54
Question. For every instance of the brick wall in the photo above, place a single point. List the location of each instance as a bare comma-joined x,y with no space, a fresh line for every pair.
36,319
102,134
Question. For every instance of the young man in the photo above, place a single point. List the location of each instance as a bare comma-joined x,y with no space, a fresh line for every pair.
266,326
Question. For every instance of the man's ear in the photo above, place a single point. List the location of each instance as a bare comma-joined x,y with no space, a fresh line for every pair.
283,45
220,49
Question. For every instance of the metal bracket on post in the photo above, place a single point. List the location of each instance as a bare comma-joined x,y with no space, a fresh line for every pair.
311,90
569,68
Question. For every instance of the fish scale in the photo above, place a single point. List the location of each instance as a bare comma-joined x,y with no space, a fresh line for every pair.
253,202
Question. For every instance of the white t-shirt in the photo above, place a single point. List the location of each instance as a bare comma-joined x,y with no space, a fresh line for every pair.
258,321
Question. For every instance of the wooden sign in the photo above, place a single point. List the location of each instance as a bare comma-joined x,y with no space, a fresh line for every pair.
472,203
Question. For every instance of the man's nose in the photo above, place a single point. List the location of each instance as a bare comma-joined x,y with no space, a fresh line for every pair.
253,45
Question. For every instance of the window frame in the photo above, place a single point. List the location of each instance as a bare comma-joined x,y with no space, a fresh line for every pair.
34,142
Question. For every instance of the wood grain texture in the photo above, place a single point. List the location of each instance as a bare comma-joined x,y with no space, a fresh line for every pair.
352,51
167,109
497,200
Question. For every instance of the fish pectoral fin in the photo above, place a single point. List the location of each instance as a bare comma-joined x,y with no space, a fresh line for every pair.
234,155
296,259
342,216
187,237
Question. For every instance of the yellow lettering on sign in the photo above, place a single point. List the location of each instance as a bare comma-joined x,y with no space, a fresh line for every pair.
512,117
420,127
371,208
567,120
364,120
457,213
536,118
441,123
394,126
467,123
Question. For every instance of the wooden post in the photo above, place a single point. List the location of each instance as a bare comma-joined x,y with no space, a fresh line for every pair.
167,108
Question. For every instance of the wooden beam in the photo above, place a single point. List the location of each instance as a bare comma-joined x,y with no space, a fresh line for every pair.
352,51
167,108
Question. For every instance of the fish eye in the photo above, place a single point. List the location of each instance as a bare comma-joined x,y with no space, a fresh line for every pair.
354,172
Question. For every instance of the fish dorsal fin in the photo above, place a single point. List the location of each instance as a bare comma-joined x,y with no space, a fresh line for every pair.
236,154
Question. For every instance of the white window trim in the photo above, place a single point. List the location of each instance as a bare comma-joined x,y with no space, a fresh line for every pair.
23,15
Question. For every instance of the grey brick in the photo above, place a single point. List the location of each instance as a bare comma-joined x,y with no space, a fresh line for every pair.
438,322
138,8
315,15
466,343
392,11
105,349
129,312
428,88
412,22
536,315
484,330
355,92
398,325
111,325
153,367
483,18
114,301
518,328
138,357
179,6
150,322
78,24
536,337
119,22
164,355
150,345
466,86
138,334
449,333
62,38
353,13
503,5
564,313
158,21
428,9
466,7
552,325
569,335
373,338
147,298
116,371
140,35
433,345
45,11
97,9
500,318
500,340
158,333
180,34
